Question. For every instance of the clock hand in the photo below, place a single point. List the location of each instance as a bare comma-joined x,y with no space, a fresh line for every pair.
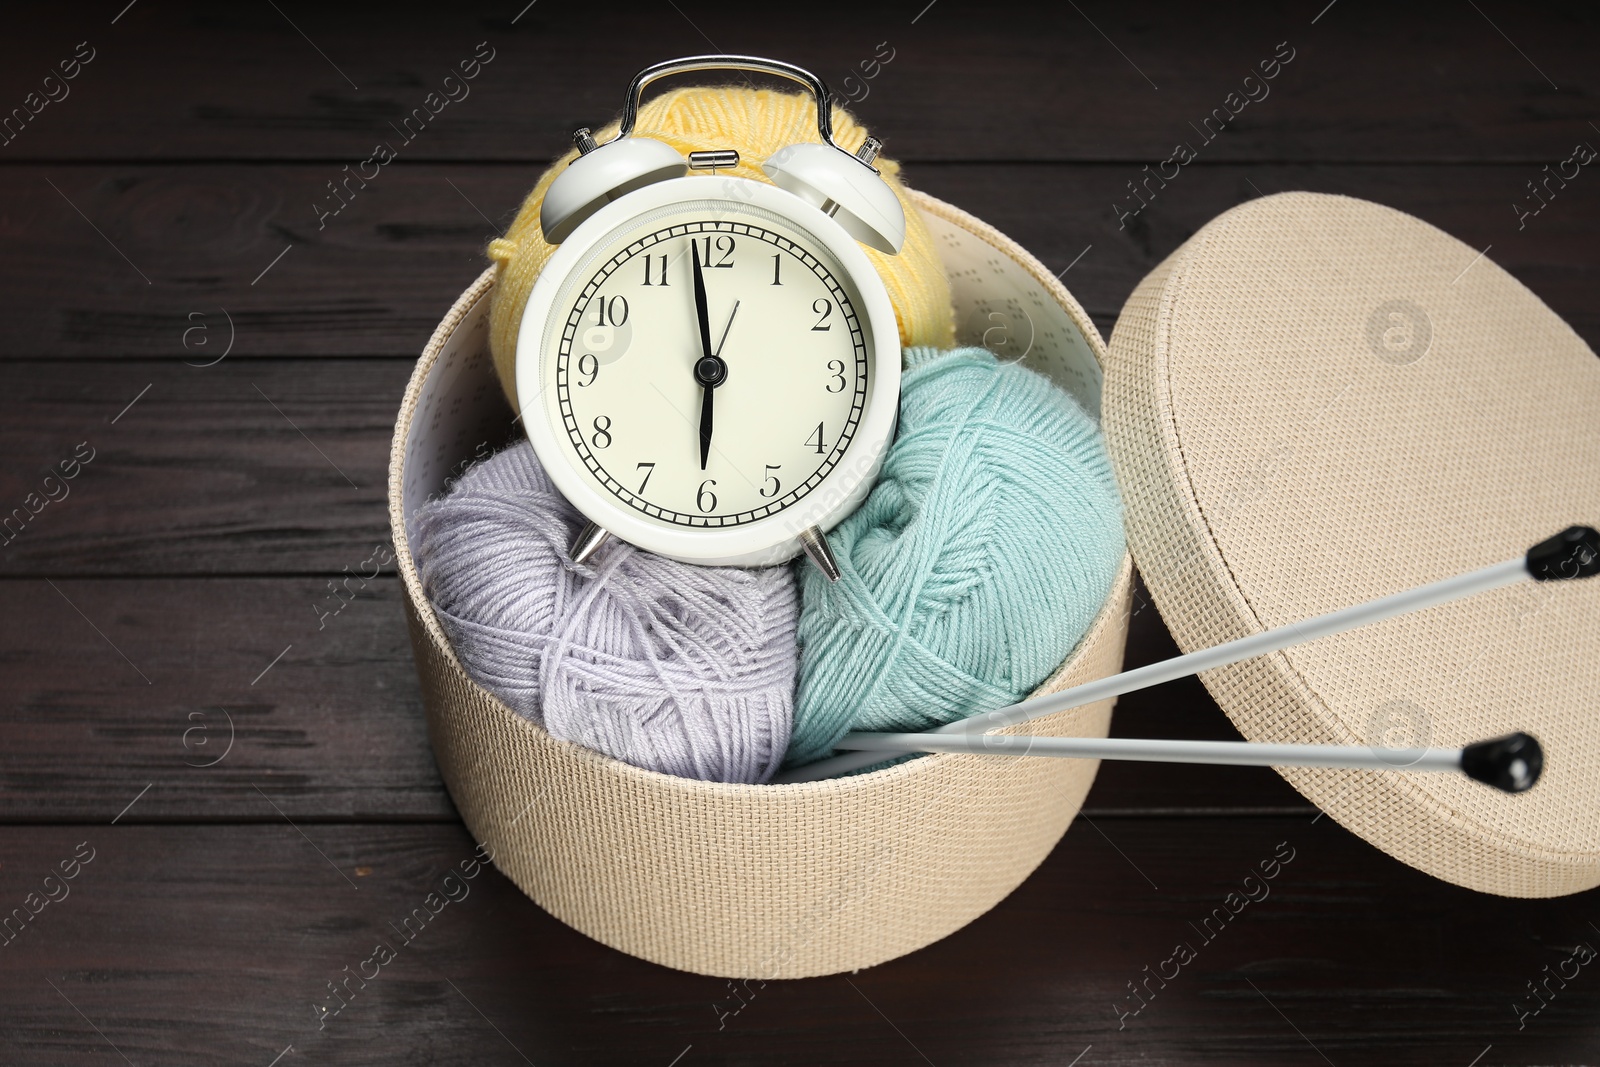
706,361
700,302
725,329
709,370
717,370
705,423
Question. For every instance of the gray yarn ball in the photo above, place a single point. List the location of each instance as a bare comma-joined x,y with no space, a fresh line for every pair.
675,668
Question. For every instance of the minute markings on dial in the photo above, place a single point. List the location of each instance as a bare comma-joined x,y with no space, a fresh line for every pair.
663,503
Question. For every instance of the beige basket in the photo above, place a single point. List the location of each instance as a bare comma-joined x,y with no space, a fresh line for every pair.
751,881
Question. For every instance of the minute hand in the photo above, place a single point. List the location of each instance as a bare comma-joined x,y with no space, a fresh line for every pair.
709,370
700,302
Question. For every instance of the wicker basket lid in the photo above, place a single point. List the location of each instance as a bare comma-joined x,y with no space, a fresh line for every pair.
1318,400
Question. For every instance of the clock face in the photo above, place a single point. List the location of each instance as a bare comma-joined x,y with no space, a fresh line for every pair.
719,424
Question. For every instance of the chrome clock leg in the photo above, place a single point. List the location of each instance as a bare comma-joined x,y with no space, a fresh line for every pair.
819,553
588,542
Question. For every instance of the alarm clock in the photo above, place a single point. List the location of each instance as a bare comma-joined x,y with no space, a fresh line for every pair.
708,367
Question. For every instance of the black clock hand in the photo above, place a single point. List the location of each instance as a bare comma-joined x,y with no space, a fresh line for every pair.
709,369
700,301
705,424
704,363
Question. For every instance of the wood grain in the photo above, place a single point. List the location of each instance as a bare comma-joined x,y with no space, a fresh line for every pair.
208,690
376,279
1007,80
247,467
206,944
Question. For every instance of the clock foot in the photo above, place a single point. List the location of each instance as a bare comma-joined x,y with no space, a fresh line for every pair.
819,553
588,542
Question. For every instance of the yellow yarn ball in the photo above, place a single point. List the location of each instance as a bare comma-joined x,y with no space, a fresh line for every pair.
757,122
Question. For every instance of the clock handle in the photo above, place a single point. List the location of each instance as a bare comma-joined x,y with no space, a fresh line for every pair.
818,552
630,108
841,184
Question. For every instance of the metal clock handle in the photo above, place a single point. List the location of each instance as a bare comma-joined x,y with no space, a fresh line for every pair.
630,108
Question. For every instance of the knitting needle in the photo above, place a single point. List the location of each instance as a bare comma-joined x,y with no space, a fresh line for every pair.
1511,764
1573,553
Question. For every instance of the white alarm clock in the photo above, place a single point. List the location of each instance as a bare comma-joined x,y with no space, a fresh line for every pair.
709,366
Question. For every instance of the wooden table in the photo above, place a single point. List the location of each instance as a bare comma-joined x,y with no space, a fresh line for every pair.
250,771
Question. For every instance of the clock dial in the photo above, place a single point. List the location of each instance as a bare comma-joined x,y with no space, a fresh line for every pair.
688,440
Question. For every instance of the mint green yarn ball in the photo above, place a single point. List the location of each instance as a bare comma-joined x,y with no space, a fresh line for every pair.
976,564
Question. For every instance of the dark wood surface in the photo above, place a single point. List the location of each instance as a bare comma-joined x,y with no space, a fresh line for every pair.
178,597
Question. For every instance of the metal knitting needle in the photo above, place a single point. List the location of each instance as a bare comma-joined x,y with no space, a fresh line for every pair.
1511,764
1573,553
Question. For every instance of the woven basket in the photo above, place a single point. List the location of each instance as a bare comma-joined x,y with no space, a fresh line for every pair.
749,881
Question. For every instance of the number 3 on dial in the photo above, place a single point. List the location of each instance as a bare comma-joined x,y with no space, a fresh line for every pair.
836,369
